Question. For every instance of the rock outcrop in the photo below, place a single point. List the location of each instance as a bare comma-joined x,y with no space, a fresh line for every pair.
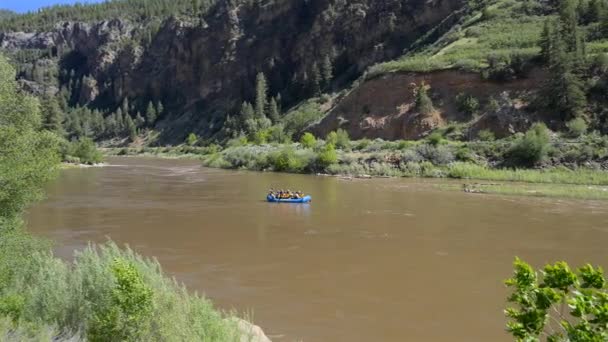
383,107
204,68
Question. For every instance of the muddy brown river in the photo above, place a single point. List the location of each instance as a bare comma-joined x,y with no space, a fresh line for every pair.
368,260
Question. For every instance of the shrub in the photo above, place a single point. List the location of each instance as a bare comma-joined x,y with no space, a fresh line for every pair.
332,138
435,138
424,104
577,127
85,150
277,134
308,140
492,106
486,135
342,139
465,155
410,156
327,156
130,306
536,302
437,155
261,137
532,148
467,103
287,160
192,139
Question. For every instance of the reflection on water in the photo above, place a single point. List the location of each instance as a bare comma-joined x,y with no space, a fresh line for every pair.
379,260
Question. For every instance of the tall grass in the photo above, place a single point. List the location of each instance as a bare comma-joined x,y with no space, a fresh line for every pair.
556,175
45,296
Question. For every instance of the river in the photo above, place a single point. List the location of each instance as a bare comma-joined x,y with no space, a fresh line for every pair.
368,260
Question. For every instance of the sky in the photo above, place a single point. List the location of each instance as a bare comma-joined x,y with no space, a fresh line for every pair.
22,6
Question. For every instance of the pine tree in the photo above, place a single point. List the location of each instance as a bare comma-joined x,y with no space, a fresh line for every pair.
139,120
546,39
52,115
424,105
261,94
110,124
564,91
273,111
328,71
247,111
125,106
568,21
130,128
594,11
151,114
196,7
120,121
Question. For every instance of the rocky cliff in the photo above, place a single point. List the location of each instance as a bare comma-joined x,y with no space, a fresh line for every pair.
203,68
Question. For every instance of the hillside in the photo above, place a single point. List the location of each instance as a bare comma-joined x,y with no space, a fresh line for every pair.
491,57
158,70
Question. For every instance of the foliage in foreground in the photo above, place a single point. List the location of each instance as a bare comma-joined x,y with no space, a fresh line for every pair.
560,306
106,294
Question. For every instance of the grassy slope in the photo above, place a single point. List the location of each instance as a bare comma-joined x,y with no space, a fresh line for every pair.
506,27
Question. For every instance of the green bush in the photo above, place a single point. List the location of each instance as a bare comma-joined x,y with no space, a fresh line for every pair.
287,160
467,103
192,139
85,150
486,135
327,156
308,140
129,308
435,138
532,148
577,127
342,139
277,134
537,302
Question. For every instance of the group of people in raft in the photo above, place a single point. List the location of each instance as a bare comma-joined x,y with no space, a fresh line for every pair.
281,194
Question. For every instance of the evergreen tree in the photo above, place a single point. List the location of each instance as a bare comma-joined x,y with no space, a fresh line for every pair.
273,111
568,22
564,90
328,71
196,7
247,111
139,120
73,123
261,94
546,39
130,128
125,106
151,114
594,11
52,115
120,121
110,124
424,105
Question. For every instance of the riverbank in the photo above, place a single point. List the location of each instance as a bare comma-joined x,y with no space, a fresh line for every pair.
397,159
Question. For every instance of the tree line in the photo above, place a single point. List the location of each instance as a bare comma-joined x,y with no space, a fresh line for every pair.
137,10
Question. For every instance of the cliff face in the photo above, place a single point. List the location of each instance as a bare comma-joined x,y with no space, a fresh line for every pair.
203,69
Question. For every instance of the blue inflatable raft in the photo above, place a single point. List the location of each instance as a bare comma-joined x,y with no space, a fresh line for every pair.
305,199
